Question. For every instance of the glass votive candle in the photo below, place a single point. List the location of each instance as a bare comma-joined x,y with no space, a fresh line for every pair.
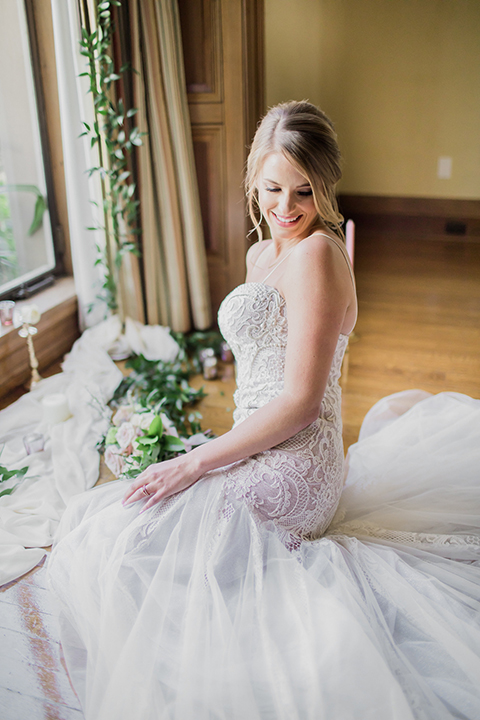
227,355
206,353
34,442
6,312
210,368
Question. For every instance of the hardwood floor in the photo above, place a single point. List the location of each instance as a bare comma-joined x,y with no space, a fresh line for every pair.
418,323
418,327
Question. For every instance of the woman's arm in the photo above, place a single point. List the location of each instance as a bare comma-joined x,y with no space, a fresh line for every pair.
318,292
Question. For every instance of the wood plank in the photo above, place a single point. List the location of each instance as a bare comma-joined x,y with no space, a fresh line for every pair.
33,678
19,706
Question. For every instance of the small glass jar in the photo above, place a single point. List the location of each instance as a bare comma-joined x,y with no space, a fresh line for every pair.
227,355
206,353
34,442
6,312
210,368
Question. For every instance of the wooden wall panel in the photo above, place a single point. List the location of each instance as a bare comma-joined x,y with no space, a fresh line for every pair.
209,149
201,36
431,218
223,50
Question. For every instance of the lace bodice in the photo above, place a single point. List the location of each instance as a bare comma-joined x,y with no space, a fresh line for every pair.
253,320
297,484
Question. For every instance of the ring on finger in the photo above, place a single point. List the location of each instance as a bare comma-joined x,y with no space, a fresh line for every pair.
145,491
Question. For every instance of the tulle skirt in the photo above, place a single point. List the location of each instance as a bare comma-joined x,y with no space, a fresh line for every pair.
196,611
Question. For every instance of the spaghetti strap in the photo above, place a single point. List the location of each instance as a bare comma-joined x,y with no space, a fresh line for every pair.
278,264
340,246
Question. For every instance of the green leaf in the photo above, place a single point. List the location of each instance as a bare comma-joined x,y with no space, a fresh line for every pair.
173,444
111,437
8,491
147,440
156,427
40,207
6,474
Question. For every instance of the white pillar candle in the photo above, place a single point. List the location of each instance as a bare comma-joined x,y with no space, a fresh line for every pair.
55,408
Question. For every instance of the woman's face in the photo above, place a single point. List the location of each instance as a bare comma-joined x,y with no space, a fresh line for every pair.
286,199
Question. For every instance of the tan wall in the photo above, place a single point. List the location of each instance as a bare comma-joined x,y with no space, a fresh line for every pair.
400,79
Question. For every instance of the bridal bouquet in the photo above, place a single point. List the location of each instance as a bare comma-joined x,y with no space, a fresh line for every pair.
154,419
139,437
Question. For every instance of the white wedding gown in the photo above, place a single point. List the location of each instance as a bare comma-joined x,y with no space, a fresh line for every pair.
267,591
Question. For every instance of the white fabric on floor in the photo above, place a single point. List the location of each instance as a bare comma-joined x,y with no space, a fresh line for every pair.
69,463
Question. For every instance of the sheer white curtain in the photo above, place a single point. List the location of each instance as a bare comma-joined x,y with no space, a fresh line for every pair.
76,105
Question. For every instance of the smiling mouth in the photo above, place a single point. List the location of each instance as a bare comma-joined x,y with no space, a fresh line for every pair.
286,221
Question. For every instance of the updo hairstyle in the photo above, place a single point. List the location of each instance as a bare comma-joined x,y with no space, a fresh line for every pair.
306,137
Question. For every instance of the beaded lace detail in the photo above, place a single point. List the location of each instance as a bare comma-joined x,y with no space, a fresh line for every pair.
296,484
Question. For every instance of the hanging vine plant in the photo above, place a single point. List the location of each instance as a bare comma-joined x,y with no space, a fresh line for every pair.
114,133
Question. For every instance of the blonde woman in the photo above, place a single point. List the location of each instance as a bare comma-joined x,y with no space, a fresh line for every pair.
241,581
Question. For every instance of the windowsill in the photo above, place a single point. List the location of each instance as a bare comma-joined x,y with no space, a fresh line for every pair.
57,331
63,289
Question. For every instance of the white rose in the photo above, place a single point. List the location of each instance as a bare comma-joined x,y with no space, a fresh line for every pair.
113,460
30,314
125,435
146,420
142,420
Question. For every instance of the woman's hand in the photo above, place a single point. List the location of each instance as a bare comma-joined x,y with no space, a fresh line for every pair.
162,480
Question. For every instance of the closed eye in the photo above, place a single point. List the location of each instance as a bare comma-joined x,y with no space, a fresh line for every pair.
302,193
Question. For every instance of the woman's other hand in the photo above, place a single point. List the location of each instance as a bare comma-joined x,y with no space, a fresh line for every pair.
162,480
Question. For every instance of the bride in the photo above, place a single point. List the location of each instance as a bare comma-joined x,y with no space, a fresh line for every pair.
245,580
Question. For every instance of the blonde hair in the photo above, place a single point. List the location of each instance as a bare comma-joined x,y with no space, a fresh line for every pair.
306,137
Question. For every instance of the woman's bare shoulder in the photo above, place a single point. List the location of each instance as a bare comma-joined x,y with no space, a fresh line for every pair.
255,251
318,252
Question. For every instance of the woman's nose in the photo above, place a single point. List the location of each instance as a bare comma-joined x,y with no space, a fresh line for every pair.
287,202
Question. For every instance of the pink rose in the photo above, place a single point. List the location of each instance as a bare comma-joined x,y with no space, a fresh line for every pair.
125,435
113,460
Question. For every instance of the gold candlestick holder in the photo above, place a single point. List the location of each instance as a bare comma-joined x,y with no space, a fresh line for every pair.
27,331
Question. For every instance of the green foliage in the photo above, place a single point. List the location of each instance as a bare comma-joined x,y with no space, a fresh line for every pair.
162,387
154,446
193,343
8,252
7,475
116,137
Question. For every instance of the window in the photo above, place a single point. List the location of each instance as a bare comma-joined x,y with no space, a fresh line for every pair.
27,251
